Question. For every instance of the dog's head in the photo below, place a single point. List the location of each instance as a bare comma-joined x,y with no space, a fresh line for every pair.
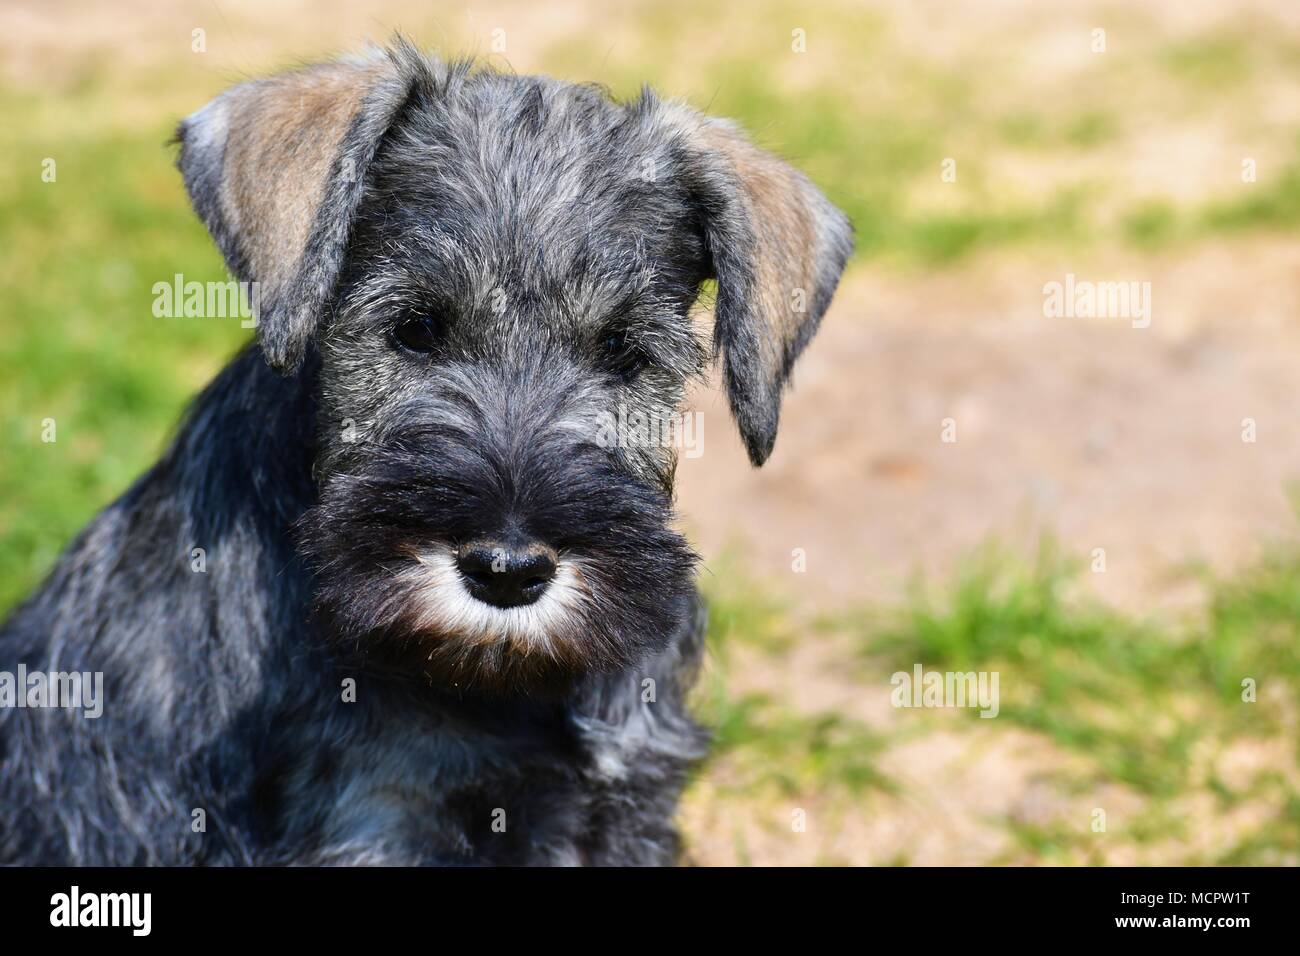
497,275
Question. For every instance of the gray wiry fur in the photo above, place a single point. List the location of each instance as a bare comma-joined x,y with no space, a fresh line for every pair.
558,240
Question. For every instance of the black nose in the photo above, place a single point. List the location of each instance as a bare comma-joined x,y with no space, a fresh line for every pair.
506,574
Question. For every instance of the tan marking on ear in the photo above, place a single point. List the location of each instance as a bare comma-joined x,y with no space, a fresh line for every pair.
280,150
771,233
784,210
782,218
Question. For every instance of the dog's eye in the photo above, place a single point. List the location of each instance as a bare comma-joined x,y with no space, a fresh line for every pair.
623,357
419,333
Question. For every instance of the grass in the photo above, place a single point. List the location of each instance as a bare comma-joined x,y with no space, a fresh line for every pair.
78,339
1060,666
1212,61
1271,206
772,747
1152,707
789,753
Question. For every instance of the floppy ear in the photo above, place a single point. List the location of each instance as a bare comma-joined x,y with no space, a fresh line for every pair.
777,247
275,168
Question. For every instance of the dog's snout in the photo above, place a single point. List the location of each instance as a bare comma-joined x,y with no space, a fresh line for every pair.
506,573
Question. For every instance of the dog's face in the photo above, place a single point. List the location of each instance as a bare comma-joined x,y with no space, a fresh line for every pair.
495,273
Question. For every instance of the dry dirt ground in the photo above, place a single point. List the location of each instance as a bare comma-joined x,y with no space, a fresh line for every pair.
1094,432
1099,433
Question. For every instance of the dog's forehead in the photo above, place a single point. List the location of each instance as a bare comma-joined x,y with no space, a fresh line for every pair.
533,142
529,187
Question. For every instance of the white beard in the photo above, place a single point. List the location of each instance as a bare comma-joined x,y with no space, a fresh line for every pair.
443,605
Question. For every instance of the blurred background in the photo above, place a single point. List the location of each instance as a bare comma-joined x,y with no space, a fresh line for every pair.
1113,530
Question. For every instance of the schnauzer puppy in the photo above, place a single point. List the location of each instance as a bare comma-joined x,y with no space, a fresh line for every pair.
438,616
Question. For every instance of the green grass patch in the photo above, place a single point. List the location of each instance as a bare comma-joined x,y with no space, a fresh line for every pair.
1210,61
773,747
1151,705
1137,696
78,338
1272,203
769,746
